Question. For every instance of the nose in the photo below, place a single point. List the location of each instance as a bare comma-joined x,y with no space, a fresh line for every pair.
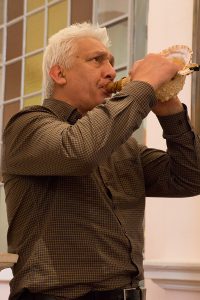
109,71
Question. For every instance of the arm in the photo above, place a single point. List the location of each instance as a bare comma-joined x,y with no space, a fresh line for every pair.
177,171
38,143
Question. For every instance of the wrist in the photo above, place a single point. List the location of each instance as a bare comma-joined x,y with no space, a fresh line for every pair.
170,107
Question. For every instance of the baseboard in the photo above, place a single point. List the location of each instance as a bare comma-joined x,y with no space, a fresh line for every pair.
174,275
6,275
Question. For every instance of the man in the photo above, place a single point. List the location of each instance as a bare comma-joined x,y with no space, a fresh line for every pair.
75,179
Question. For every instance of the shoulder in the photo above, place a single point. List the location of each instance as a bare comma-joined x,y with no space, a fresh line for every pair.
28,113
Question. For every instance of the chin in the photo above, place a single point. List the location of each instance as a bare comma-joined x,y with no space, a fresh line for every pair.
102,101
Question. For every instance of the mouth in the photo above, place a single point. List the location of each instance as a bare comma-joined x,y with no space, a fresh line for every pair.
106,93
105,90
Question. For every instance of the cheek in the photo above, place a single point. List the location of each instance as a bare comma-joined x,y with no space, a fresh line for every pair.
86,85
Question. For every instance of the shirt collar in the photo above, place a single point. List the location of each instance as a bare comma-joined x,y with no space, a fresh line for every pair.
63,110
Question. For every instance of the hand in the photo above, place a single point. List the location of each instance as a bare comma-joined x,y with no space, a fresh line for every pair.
154,69
170,107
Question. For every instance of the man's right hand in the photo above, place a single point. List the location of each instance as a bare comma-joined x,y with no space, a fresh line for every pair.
154,69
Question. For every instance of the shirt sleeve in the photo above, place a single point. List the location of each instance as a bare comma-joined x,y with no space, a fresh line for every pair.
176,172
40,144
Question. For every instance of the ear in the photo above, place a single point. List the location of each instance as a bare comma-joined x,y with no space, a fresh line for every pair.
57,74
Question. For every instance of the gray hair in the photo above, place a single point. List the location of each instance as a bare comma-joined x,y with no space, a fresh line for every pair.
62,46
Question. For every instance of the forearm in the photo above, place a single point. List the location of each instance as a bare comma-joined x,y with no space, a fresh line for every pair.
178,170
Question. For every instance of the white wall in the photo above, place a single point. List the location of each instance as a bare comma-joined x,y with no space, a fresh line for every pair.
172,225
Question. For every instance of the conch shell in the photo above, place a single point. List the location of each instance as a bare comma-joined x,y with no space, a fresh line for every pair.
179,54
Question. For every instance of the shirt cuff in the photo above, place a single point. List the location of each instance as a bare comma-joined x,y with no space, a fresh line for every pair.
176,124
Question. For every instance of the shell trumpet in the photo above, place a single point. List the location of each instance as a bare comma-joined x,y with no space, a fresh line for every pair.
179,54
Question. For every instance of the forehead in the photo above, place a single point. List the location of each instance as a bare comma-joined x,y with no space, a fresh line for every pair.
89,45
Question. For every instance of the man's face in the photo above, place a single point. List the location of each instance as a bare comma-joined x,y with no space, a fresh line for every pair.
92,70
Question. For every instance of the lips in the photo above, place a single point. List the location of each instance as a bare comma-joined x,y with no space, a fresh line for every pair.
105,90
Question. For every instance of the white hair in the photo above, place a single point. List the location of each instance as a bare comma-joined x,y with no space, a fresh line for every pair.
62,47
